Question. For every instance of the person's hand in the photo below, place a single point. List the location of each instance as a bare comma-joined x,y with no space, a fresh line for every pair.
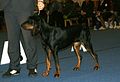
40,5
112,11
98,13
83,13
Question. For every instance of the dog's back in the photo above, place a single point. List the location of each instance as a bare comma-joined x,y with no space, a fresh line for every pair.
79,32
67,36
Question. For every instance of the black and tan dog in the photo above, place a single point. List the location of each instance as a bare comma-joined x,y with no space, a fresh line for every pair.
55,39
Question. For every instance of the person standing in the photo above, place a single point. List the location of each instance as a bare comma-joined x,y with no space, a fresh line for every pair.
15,14
55,13
87,9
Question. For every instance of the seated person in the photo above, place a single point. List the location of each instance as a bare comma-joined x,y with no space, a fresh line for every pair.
105,13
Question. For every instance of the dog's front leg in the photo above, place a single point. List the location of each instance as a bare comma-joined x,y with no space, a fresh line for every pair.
57,66
48,64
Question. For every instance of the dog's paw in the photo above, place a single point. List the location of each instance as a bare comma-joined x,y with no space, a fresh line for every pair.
57,75
45,74
76,68
97,67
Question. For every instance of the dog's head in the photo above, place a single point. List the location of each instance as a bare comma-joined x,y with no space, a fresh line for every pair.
32,23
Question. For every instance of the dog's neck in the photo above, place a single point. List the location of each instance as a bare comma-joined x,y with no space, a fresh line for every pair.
44,29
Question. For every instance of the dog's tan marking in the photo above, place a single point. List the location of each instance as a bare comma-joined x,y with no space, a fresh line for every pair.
76,47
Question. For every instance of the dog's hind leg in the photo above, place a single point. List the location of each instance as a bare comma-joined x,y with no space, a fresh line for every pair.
76,47
48,63
89,48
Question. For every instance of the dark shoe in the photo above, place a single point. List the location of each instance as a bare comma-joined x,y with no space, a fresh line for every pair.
11,72
32,72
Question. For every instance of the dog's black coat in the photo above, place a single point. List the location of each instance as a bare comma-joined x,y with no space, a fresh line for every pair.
55,38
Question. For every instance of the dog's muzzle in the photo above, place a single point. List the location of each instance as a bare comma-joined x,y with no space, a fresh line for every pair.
27,26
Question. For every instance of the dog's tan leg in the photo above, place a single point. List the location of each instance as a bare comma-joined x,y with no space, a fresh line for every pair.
76,47
96,67
48,64
57,73
93,54
57,65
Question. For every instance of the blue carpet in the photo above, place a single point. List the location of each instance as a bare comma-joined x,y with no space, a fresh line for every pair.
107,46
